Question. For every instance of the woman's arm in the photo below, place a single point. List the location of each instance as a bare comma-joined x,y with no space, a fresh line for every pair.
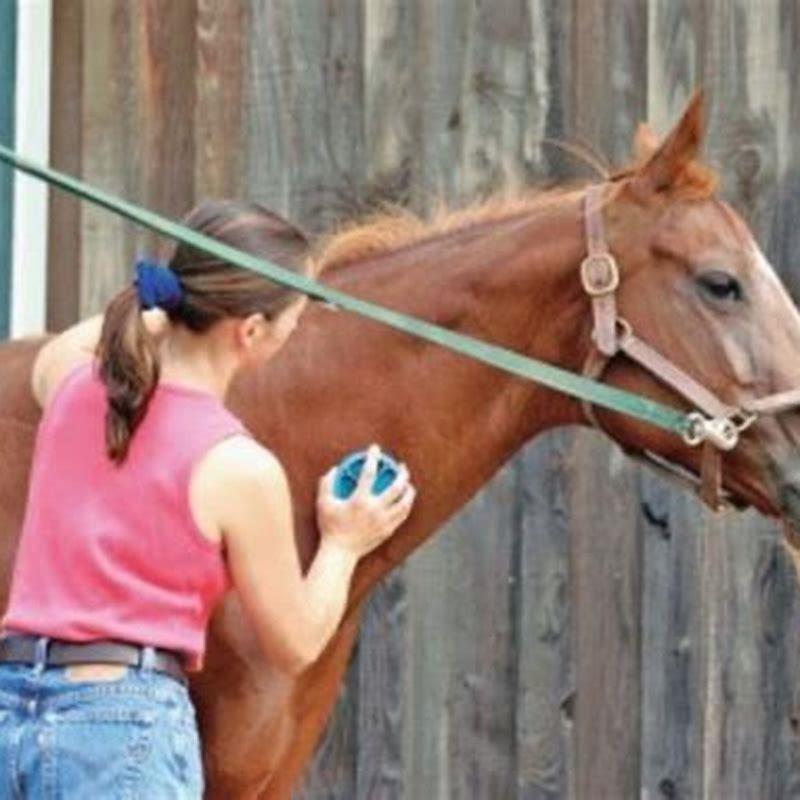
294,615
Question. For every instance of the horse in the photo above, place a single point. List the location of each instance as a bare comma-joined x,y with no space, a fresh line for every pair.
693,285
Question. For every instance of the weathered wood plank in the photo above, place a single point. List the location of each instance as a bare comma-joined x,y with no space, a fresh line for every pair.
64,239
674,636
672,641
390,102
305,122
382,670
219,130
606,587
779,87
167,70
111,157
545,690
606,100
461,687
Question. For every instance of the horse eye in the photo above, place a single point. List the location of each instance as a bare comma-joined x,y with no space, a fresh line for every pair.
721,285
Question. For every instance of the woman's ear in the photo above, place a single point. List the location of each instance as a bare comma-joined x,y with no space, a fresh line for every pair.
249,331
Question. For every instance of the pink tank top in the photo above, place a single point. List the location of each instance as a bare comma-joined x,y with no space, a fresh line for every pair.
112,551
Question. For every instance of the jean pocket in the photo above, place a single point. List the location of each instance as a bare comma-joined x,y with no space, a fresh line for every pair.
99,750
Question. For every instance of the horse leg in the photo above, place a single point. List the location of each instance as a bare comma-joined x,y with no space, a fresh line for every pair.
313,699
259,727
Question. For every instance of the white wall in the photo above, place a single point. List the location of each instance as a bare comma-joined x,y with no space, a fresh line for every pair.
32,109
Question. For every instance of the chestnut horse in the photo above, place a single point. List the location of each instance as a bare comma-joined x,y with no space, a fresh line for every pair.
694,285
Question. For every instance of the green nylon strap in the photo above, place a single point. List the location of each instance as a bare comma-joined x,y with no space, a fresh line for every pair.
539,371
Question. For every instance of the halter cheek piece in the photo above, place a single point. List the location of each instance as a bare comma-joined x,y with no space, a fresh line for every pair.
718,427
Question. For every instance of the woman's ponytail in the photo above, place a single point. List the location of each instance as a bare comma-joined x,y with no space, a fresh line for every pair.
128,367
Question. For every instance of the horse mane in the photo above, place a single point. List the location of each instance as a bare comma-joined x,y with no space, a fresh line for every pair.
394,227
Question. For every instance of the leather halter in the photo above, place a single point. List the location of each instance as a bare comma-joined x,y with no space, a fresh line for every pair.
715,424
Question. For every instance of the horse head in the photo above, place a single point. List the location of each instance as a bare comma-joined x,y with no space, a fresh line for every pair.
699,320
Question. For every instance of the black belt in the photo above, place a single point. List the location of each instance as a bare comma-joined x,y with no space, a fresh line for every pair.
22,648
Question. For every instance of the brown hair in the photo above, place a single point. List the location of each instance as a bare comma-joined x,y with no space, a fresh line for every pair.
212,290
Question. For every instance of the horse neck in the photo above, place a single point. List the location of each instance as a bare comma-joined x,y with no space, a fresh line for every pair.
456,421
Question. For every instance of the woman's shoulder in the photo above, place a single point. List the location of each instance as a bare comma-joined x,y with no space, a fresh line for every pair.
229,473
237,457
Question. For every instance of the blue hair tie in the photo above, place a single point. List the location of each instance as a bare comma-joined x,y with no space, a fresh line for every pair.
157,285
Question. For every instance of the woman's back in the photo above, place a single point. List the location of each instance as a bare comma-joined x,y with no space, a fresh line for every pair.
115,551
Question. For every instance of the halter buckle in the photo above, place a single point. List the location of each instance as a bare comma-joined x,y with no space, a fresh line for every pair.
599,274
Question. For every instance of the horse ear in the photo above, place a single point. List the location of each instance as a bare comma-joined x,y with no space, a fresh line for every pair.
665,166
645,142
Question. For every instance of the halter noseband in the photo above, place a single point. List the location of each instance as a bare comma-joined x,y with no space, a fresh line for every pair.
718,427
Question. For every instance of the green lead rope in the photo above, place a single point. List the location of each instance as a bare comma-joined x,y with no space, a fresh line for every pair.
538,371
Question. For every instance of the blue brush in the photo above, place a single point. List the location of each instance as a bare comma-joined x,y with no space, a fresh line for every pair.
349,470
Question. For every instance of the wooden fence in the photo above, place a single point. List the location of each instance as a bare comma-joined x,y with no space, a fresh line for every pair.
580,630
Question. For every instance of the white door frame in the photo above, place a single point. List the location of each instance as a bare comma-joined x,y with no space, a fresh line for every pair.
32,139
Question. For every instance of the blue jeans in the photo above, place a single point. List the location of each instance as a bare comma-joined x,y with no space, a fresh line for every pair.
130,737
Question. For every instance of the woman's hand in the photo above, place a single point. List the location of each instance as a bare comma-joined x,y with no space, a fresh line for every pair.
364,520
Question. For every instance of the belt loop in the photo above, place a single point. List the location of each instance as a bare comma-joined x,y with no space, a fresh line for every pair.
148,658
40,654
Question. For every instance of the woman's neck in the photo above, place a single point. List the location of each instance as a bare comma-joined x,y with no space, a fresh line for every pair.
188,360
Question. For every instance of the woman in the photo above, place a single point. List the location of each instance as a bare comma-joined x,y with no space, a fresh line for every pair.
148,499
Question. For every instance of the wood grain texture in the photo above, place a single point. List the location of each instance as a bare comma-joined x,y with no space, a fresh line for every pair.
460,638
220,113
111,157
608,62
66,154
675,648
580,629
543,609
305,121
